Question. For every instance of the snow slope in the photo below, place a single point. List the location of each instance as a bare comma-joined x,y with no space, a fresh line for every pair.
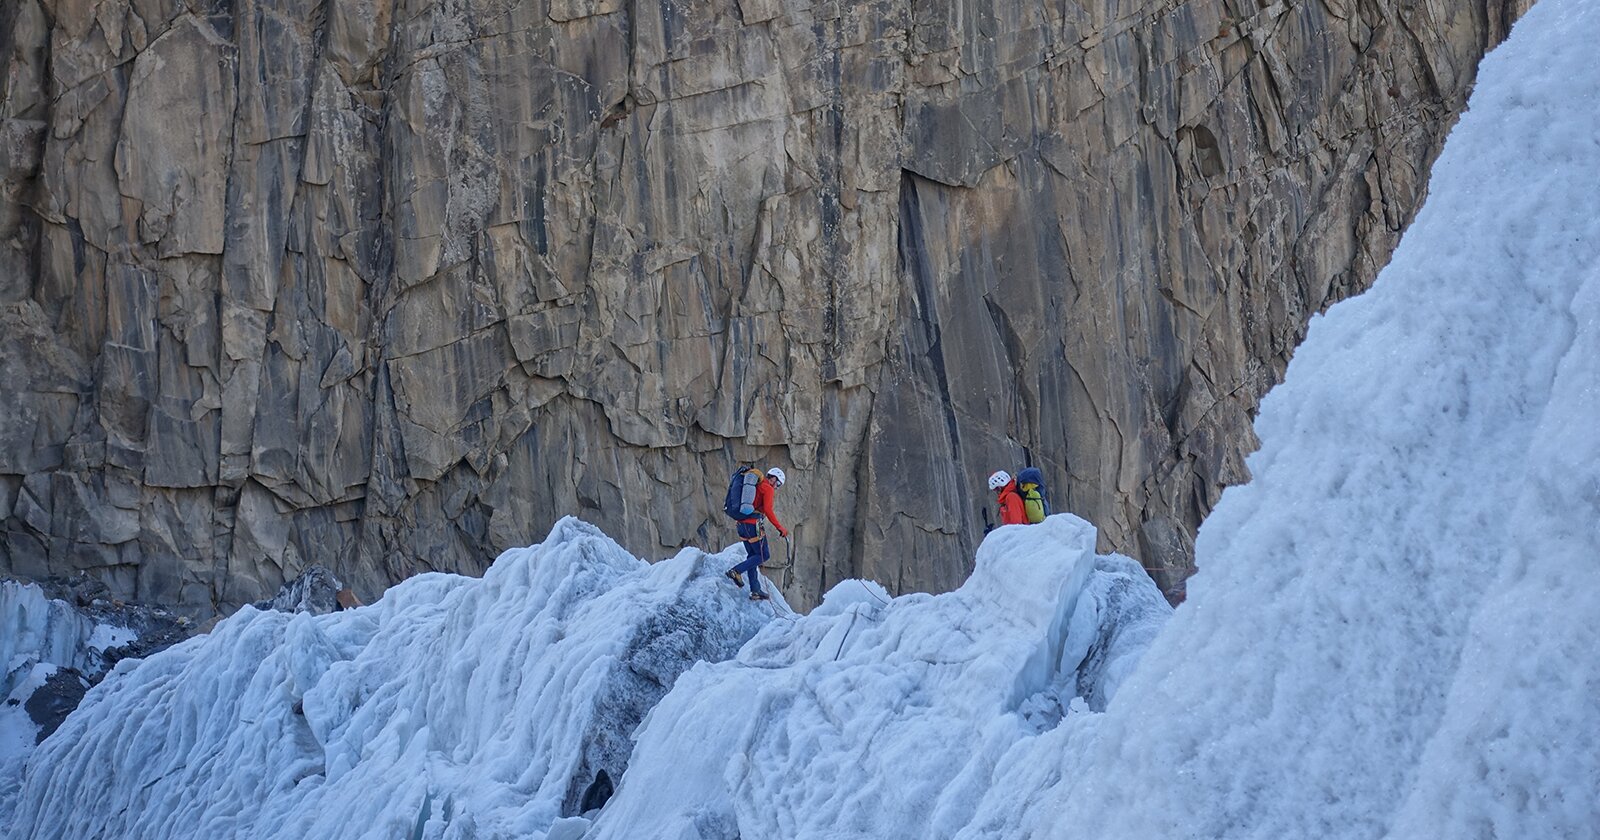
1392,633
452,708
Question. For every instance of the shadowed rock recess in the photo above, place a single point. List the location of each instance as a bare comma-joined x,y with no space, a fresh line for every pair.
390,285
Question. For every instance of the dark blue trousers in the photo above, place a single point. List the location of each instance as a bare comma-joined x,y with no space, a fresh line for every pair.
755,547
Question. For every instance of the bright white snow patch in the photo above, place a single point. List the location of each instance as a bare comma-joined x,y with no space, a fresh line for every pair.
18,732
108,636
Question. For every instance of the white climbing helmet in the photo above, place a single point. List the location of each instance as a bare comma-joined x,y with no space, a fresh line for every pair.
1000,479
776,474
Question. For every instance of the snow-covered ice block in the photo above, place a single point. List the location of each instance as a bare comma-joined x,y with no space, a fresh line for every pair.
453,707
874,718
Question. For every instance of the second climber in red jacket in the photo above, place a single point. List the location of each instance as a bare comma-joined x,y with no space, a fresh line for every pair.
1011,510
755,537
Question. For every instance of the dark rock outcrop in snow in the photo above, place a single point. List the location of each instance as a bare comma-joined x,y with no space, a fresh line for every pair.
49,704
315,591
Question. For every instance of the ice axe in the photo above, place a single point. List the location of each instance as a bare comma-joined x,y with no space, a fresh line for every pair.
788,560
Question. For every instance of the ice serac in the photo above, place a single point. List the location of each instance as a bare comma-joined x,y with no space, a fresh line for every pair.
872,717
452,707
1389,635
393,284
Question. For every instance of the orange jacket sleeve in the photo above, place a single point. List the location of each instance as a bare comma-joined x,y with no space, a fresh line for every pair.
764,498
1011,509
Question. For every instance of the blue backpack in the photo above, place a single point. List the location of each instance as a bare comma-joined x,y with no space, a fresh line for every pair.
741,501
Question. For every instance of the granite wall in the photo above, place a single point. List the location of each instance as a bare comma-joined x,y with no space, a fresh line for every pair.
390,285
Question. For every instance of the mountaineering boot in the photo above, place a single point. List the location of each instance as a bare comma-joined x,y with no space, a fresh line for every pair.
733,575
760,596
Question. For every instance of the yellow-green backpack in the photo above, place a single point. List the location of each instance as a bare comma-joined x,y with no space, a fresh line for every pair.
1030,486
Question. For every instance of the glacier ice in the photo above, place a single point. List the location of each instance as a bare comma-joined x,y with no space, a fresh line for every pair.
454,707
508,706
1391,634
870,718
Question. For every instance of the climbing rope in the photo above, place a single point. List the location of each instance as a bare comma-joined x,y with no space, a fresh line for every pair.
788,566
875,596
854,614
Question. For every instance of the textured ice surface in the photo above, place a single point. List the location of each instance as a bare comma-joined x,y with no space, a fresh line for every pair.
40,629
1392,632
507,706
872,718
452,708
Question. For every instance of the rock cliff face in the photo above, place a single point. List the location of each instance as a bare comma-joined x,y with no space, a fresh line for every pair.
390,285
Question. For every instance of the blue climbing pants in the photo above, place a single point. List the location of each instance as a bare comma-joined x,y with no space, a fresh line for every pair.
755,547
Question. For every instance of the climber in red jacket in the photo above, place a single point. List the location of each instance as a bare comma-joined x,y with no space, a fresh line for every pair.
1011,510
754,536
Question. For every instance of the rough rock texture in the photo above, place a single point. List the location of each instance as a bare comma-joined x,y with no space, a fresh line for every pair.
390,285
314,591
50,704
